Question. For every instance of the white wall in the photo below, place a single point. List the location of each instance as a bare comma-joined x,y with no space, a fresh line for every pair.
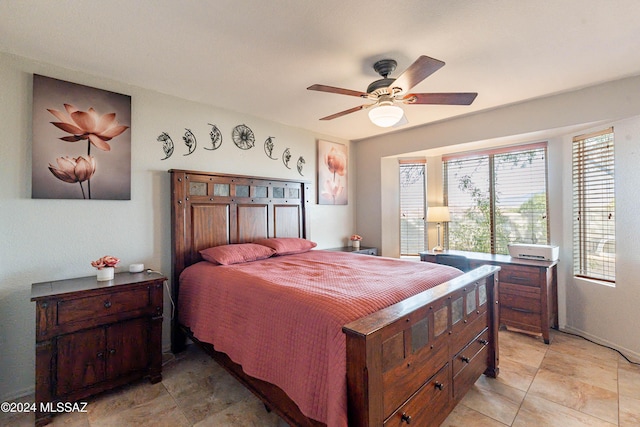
604,314
46,240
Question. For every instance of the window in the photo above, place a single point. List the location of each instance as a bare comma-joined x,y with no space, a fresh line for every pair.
412,207
497,197
594,206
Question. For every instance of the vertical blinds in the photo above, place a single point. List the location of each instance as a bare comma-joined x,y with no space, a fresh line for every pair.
594,206
497,197
412,208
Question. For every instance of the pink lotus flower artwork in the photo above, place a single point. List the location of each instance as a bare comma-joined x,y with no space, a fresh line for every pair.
89,118
88,125
74,170
332,173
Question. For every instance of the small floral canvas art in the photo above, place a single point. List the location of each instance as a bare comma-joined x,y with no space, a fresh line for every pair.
81,142
333,161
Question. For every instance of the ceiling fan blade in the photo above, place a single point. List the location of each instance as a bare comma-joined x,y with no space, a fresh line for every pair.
422,68
459,98
332,89
344,113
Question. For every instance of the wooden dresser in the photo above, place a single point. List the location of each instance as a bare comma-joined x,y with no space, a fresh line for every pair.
92,336
527,292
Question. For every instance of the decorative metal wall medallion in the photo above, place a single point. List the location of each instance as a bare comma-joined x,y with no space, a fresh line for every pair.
300,165
286,157
268,148
243,137
216,138
167,144
190,141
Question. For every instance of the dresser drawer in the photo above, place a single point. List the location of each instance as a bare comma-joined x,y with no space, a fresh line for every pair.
520,275
520,303
462,337
467,354
401,381
469,373
94,307
427,406
521,318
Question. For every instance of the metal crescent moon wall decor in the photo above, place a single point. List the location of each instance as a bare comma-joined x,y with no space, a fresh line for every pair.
216,138
190,141
167,144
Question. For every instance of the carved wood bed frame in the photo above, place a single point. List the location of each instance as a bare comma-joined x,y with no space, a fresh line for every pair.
412,361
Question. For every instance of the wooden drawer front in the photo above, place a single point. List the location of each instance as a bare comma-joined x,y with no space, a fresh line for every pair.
520,303
462,338
468,375
102,305
520,275
521,318
427,406
520,307
467,354
401,381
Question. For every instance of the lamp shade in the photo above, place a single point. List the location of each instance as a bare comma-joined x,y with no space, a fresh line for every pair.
385,115
438,214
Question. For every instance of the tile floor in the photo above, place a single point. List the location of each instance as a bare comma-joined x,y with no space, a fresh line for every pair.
570,382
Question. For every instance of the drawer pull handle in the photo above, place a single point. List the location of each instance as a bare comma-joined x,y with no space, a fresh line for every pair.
100,355
107,304
112,351
484,342
405,418
465,359
439,385
521,310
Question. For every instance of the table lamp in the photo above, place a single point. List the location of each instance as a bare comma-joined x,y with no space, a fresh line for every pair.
438,214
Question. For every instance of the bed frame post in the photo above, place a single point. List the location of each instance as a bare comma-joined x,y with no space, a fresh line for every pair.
494,324
178,195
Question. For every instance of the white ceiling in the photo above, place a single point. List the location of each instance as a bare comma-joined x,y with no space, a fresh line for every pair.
257,57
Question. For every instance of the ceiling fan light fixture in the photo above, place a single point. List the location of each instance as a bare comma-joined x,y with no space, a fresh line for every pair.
385,115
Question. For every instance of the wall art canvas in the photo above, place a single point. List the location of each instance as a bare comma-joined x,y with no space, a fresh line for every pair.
333,161
81,142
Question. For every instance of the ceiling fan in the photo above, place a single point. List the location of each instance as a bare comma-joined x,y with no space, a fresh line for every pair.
386,92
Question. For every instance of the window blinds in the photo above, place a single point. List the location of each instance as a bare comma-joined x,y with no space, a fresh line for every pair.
412,208
497,197
594,206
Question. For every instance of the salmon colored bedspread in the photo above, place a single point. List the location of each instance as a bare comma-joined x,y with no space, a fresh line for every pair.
281,318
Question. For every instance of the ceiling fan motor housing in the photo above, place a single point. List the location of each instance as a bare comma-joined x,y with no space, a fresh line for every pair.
384,67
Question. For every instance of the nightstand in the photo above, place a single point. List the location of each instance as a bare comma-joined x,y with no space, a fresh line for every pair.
92,336
362,250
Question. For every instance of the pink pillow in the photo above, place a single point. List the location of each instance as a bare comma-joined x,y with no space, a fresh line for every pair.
287,245
236,253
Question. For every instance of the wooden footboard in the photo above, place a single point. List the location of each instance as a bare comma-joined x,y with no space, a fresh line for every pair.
413,362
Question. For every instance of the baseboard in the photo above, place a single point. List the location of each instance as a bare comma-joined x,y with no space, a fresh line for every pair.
18,394
630,354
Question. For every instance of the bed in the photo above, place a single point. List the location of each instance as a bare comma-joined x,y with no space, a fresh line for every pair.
408,360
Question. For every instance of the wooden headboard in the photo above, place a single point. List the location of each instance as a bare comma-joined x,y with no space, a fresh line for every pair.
211,209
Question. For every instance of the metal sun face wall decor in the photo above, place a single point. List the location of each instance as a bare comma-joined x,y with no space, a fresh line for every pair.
242,137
